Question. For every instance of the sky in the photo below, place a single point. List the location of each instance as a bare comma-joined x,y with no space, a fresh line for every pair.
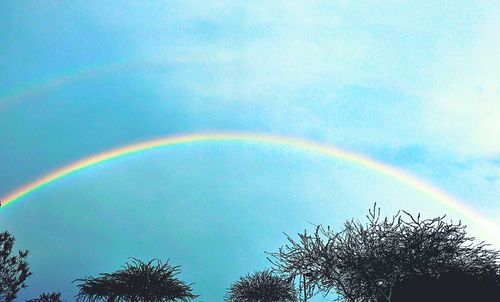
413,85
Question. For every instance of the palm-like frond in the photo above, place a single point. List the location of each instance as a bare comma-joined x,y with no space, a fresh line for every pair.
261,287
137,281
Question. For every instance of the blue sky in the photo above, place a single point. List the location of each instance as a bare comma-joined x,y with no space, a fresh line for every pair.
412,84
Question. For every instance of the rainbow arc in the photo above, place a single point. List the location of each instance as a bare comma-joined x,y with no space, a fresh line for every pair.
300,144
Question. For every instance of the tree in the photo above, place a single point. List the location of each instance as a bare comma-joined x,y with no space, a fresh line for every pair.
47,297
138,282
365,262
450,286
14,270
261,287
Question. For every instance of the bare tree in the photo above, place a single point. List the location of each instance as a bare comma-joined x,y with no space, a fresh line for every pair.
14,270
137,281
261,287
363,262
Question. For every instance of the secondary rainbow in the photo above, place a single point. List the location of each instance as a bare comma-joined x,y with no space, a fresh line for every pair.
81,73
68,77
301,144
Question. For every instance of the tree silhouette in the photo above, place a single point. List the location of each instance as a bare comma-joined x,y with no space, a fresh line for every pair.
138,282
450,286
368,262
14,270
261,287
47,297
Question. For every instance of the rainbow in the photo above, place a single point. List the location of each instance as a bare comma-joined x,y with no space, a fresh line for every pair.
68,77
300,144
85,72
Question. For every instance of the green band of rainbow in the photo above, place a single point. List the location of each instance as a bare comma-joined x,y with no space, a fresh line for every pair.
301,144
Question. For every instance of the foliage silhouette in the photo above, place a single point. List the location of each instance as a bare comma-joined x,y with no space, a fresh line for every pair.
365,262
450,286
137,281
261,287
14,270
47,297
